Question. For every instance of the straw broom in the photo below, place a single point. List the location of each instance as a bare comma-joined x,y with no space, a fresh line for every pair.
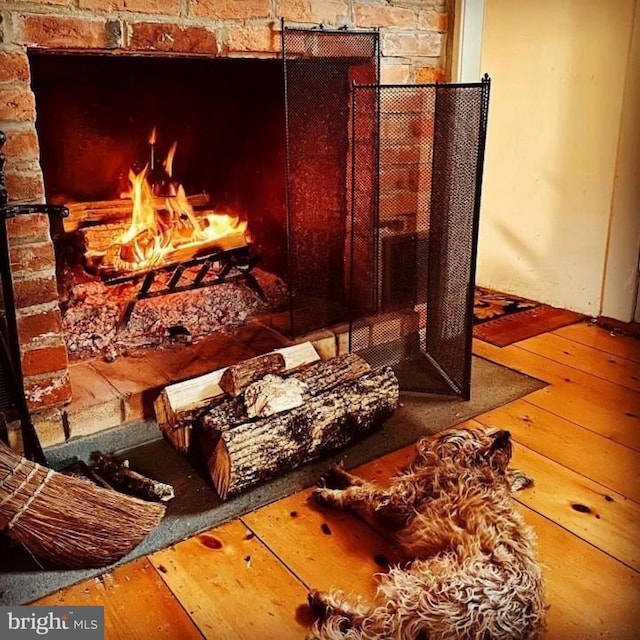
66,520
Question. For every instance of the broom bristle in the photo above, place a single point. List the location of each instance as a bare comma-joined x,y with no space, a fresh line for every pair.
67,520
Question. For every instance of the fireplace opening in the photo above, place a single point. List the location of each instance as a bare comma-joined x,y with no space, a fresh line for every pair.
173,170
351,205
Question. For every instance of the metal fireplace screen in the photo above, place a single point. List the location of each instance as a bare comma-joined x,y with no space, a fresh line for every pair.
417,157
319,67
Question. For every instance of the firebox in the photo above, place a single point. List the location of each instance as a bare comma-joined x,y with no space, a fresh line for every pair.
173,171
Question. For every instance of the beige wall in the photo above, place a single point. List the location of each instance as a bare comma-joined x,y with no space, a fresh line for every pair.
621,274
558,70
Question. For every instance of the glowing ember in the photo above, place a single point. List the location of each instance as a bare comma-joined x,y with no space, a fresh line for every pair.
164,225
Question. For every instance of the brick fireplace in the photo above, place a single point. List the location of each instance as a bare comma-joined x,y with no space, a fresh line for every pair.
413,43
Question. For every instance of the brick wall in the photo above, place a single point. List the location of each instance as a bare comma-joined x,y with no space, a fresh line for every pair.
413,39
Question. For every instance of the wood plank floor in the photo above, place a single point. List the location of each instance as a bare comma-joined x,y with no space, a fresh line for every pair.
579,438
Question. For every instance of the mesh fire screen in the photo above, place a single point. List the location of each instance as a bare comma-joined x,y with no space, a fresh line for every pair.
320,67
417,159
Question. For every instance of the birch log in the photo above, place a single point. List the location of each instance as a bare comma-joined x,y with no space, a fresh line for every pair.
317,378
252,452
180,404
238,376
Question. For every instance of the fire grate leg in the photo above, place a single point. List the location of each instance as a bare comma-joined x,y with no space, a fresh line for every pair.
175,278
204,269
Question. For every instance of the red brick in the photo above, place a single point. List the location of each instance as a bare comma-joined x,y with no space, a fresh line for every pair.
17,105
397,203
252,38
412,44
35,291
32,328
362,74
399,178
50,359
48,391
433,21
154,36
399,154
423,127
32,227
21,145
33,257
395,73
397,129
330,12
368,16
14,66
229,9
25,186
60,32
160,7
406,100
430,75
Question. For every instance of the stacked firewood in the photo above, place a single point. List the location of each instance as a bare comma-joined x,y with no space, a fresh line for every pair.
268,415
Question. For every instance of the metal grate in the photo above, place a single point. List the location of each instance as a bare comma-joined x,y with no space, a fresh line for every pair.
319,67
416,177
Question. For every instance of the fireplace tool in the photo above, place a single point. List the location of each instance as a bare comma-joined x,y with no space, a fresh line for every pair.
12,398
65,520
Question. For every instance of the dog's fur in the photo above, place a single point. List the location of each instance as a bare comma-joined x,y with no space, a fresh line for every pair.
471,571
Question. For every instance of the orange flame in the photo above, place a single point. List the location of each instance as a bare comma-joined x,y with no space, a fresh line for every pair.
168,162
161,226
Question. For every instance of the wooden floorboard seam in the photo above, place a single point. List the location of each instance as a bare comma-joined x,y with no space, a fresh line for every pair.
275,555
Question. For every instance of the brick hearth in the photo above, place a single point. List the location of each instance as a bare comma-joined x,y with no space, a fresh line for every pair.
413,43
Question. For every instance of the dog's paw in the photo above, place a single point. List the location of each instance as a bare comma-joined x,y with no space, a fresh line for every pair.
324,496
318,602
335,477
518,480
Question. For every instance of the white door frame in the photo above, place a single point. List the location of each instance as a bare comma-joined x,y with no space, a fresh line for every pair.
467,41
621,280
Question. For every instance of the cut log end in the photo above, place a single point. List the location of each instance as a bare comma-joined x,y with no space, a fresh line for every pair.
237,377
220,469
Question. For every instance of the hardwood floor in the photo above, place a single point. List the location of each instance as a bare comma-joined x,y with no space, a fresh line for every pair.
579,438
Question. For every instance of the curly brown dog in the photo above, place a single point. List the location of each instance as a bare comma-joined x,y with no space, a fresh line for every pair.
471,572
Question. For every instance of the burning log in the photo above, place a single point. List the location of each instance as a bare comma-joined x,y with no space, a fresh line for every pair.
251,452
110,260
178,406
87,214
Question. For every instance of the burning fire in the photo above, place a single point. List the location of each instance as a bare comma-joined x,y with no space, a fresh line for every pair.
164,224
